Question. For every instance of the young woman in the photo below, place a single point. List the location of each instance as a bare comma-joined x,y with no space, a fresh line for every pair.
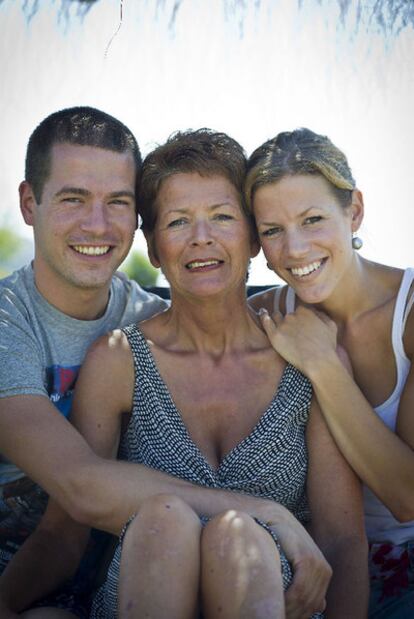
307,210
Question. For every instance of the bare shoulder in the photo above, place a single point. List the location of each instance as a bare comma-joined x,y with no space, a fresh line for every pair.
156,328
104,388
392,277
109,348
409,325
382,277
264,299
108,367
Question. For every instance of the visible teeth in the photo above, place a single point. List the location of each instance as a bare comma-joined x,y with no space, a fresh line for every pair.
196,264
91,251
300,272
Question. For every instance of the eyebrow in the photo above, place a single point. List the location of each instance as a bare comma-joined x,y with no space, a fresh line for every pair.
275,223
213,207
78,191
122,194
220,204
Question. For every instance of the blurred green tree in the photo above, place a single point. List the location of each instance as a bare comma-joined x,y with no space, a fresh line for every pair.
10,244
139,268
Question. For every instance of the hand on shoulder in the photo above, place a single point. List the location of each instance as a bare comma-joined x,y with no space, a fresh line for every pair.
302,337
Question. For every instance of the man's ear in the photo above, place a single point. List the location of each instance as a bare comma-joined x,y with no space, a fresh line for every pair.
152,253
27,202
357,209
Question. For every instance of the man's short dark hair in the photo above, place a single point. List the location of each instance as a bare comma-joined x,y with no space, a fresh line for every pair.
83,126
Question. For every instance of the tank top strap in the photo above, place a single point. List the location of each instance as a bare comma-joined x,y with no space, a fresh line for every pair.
410,298
290,299
276,298
401,311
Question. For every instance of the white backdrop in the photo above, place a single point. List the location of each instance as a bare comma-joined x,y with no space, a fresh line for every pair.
251,73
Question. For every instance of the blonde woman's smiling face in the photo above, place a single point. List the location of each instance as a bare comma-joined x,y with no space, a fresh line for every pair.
306,234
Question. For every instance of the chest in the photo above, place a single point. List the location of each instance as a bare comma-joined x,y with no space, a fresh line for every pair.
220,401
368,342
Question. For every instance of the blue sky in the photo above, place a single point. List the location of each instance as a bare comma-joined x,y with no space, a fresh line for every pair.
289,68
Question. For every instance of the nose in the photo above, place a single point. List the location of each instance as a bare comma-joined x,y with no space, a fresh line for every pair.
95,219
201,233
296,243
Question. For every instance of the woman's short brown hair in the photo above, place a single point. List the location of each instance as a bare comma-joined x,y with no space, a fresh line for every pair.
203,151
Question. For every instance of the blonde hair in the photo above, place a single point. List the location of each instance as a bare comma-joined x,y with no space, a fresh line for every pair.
299,152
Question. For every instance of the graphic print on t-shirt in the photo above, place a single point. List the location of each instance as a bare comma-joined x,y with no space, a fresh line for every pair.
60,385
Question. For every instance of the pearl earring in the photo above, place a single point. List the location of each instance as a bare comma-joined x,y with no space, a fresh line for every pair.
357,242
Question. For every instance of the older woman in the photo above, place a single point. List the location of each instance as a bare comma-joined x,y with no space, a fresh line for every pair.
208,399
199,392
307,210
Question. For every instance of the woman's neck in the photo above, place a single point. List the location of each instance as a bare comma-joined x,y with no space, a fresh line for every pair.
366,286
214,325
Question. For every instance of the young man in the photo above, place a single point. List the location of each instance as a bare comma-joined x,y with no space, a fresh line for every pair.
82,168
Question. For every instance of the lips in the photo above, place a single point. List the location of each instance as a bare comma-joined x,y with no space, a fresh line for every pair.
91,250
202,264
307,269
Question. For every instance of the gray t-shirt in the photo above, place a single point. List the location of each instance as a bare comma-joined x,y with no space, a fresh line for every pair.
41,351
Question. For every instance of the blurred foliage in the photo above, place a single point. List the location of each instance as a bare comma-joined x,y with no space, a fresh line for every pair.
10,244
388,17
139,268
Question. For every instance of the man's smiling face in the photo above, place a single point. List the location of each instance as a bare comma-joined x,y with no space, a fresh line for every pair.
85,222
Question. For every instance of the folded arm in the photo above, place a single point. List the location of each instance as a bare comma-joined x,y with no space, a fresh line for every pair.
94,489
382,459
335,498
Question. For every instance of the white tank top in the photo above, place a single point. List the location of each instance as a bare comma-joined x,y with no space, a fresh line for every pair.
381,525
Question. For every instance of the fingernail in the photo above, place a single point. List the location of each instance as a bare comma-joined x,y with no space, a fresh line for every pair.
263,312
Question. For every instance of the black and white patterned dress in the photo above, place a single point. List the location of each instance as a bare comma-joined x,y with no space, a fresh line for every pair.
271,462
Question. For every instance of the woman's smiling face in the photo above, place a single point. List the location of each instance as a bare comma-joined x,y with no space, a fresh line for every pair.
306,234
202,239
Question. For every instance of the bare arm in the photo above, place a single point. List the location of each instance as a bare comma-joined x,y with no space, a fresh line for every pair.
95,490
382,459
99,491
104,394
335,499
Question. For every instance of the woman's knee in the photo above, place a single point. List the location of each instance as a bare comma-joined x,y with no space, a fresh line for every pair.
163,517
234,531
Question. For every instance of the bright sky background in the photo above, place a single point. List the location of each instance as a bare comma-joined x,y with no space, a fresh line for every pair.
282,68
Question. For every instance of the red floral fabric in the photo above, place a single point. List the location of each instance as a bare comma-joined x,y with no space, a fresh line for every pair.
390,568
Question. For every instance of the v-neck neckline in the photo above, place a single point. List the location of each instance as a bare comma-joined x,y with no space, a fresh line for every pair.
274,407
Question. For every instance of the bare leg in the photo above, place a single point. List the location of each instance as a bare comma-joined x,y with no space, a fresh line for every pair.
240,570
47,613
160,564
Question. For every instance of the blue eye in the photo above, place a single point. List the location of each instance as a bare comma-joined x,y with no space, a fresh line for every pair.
313,220
223,217
271,231
176,222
